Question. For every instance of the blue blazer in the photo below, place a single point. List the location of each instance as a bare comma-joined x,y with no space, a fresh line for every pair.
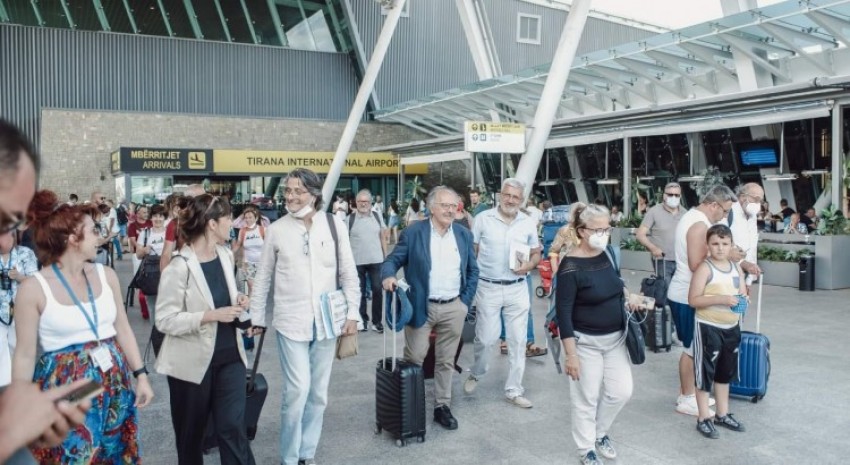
413,253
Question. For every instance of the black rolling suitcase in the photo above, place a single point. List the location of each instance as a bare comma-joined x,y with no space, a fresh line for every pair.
399,394
658,326
256,390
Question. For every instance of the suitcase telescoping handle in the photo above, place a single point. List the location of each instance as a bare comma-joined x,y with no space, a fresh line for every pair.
663,266
758,303
253,374
390,314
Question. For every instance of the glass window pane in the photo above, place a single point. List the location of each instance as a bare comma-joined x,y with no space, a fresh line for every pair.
237,22
264,25
116,16
178,18
52,13
150,189
21,12
210,21
148,17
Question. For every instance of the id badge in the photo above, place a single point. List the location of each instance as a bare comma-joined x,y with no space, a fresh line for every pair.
101,358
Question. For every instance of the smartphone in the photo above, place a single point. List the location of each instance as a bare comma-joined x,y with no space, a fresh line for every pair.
87,391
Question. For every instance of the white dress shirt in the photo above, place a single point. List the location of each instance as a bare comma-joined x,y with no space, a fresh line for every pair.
444,279
301,278
494,237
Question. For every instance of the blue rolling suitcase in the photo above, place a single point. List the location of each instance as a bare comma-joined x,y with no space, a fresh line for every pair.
753,361
550,230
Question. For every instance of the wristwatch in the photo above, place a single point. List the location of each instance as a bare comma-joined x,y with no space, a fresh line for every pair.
141,371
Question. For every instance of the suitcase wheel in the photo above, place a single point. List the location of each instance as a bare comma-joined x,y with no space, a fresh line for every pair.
668,349
399,442
421,439
378,428
539,292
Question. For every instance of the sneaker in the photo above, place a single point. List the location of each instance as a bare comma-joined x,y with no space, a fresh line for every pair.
520,401
711,400
590,458
706,427
307,462
605,448
365,327
470,384
729,422
688,405
378,328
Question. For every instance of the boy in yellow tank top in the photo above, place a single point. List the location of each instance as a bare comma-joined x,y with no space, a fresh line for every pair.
716,291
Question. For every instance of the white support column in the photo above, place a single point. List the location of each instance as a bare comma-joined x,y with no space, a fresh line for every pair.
556,82
578,176
838,158
627,176
362,98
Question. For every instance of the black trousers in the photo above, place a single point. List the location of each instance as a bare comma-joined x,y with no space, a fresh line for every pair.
374,271
222,392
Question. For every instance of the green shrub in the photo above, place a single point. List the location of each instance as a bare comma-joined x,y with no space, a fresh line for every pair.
775,254
633,245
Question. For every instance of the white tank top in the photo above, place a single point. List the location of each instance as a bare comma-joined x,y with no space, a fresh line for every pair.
61,325
253,244
681,283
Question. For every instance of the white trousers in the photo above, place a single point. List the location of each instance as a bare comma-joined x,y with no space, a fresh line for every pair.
512,301
603,388
7,348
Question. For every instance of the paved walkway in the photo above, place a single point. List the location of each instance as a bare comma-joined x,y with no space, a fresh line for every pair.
802,420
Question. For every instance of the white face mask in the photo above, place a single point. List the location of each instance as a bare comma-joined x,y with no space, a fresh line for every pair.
753,209
303,212
672,202
598,242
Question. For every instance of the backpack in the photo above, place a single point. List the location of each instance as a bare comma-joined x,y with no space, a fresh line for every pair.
121,212
353,216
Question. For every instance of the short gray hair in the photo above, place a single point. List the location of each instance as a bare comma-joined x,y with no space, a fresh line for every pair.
719,194
672,184
515,183
432,196
311,182
364,192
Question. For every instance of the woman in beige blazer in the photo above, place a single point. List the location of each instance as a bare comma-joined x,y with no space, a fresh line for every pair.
199,312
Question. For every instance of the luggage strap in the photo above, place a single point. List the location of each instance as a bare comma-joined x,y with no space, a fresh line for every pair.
253,374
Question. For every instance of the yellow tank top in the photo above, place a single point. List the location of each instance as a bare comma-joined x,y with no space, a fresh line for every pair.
720,282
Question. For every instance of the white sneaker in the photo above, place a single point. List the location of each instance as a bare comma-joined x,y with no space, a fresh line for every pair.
520,401
470,384
688,405
711,400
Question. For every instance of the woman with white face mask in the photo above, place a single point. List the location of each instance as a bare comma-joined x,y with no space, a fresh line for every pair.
589,303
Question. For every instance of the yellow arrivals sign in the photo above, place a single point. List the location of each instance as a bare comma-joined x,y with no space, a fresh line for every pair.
279,162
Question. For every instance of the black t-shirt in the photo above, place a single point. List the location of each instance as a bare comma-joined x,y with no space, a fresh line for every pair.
806,221
589,296
225,339
786,212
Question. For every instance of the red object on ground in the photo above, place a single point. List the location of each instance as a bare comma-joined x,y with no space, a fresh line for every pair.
545,269
143,303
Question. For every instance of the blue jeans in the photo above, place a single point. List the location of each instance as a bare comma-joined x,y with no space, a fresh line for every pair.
116,242
306,367
530,332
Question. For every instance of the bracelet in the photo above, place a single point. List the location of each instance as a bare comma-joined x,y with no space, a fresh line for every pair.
141,371
570,355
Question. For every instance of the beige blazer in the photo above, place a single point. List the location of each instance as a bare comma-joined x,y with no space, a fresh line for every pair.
182,300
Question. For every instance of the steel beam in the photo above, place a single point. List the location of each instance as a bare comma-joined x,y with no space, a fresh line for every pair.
165,18
674,86
34,4
278,26
130,16
68,16
745,48
248,20
834,26
707,54
4,14
193,19
780,34
221,19
101,16
670,61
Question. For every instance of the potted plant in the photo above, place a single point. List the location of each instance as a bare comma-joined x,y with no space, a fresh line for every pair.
832,250
781,266
634,256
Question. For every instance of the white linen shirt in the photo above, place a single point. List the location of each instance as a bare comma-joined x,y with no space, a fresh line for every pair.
745,232
494,237
444,279
300,279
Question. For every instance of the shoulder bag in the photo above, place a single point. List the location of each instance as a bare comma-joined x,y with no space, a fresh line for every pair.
634,335
335,308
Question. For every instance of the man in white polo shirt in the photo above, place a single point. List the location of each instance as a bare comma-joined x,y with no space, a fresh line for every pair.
502,289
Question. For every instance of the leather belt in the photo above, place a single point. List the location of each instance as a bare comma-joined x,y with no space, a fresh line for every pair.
502,282
443,301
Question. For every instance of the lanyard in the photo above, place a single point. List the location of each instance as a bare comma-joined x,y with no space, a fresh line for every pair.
92,324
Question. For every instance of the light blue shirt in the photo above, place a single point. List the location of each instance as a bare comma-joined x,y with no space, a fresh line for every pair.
22,259
494,237
444,279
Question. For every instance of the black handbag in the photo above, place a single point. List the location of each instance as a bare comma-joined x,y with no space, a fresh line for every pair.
635,343
148,274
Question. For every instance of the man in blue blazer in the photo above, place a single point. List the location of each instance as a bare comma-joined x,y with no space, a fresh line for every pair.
439,265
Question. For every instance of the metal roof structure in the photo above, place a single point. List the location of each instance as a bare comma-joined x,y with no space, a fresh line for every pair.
793,42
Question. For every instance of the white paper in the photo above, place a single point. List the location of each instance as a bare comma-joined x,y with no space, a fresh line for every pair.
519,254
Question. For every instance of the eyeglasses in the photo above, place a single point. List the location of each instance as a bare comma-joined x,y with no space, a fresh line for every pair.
294,192
363,202
668,194
306,247
598,231
10,222
755,198
725,210
511,196
447,206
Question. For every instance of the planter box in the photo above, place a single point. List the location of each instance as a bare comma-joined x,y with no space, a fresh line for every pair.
782,273
638,261
832,262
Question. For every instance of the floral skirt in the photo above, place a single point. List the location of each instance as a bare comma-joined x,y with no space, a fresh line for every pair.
110,432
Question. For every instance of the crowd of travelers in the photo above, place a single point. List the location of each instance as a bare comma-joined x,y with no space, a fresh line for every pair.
71,330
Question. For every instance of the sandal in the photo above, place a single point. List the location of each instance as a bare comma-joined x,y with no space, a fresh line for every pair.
503,348
532,350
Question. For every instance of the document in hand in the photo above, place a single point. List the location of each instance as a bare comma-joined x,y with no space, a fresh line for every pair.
519,254
334,311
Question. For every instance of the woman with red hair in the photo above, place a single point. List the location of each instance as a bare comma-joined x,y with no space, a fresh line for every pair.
74,308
